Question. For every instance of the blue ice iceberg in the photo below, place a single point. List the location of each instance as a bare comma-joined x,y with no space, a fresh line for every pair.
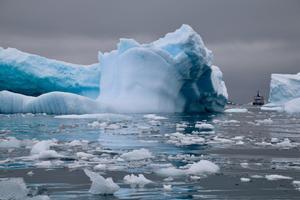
284,93
172,74
35,75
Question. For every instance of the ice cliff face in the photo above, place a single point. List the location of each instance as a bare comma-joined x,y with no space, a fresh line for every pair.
284,93
172,74
35,75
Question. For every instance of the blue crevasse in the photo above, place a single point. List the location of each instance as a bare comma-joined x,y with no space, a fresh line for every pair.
172,74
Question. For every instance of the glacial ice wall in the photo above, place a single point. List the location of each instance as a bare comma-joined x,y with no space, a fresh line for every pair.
284,93
34,75
172,74
284,87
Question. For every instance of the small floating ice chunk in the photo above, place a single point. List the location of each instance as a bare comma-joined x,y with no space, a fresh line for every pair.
171,172
275,177
264,121
139,180
154,117
30,173
138,154
286,143
100,185
296,185
180,139
244,165
96,124
100,167
13,189
203,167
245,180
167,187
84,156
48,154
41,146
204,127
200,168
256,176
236,110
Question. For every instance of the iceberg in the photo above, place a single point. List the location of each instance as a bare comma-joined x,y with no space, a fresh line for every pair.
284,93
172,74
34,75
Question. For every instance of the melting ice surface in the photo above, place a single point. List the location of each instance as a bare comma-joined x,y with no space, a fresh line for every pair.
172,74
284,93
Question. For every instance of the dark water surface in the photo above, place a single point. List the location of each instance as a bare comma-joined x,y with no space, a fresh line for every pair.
244,145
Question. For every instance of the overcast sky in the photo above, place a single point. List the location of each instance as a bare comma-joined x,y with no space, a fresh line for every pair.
250,39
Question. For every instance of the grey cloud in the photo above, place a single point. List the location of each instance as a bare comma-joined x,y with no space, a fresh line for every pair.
250,39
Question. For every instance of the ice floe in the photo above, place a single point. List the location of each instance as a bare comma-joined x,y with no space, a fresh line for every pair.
236,110
137,154
275,177
100,185
140,180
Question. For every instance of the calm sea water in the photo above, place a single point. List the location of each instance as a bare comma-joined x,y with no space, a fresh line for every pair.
249,145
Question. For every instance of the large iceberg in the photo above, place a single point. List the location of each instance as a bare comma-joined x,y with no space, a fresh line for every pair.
34,75
284,93
172,74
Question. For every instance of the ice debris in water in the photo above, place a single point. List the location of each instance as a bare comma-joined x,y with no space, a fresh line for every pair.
137,154
139,180
41,150
264,121
236,110
16,189
181,65
204,126
180,139
200,168
13,188
100,185
154,117
275,177
296,185
245,180
167,187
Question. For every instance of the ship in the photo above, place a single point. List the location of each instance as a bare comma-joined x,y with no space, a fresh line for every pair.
258,100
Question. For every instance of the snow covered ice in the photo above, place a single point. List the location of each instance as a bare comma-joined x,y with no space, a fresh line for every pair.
34,75
284,93
181,65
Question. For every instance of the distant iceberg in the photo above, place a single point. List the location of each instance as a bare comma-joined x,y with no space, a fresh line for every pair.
172,74
284,93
